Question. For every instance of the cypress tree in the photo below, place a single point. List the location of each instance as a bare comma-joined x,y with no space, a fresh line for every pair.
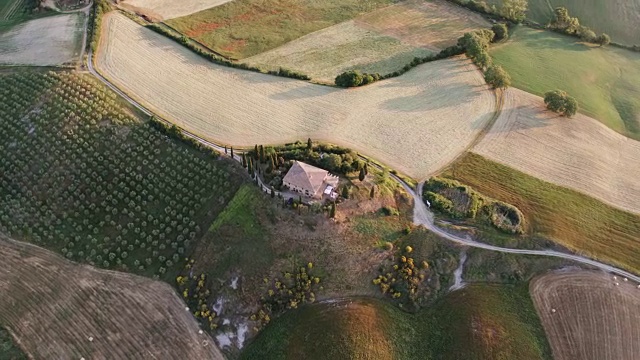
366,169
255,152
361,175
250,167
372,193
244,160
345,192
225,150
232,152
273,193
309,144
262,158
332,211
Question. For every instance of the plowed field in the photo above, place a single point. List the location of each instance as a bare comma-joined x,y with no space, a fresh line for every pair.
60,310
168,9
579,153
417,122
594,318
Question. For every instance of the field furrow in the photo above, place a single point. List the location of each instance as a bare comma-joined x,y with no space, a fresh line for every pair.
54,307
589,315
579,153
415,123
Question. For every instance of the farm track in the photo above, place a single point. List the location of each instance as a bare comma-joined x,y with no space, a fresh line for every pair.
422,215
60,310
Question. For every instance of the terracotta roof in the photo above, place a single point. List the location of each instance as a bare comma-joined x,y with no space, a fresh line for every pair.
305,176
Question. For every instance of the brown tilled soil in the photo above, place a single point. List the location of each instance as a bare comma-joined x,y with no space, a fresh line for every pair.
60,310
594,318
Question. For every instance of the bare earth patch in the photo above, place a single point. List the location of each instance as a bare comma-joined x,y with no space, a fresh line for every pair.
417,122
594,318
53,40
60,310
169,9
578,153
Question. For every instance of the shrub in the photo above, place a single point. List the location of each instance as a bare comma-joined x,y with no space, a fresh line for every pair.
501,32
390,211
497,77
351,78
560,102
604,39
439,202
507,217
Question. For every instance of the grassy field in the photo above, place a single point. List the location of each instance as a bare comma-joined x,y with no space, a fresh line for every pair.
618,18
243,28
570,218
588,315
386,120
62,310
605,81
9,350
90,180
380,41
477,322
45,41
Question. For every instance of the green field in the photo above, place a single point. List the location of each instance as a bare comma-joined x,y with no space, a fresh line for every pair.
477,322
618,18
8,348
605,81
243,28
83,176
571,219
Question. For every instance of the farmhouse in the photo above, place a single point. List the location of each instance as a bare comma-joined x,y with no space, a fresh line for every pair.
310,181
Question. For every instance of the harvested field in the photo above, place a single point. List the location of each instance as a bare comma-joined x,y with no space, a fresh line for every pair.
167,9
324,54
579,153
417,122
53,40
243,28
432,24
54,307
594,318
381,41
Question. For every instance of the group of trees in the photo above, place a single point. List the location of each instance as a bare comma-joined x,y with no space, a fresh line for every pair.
476,45
354,78
567,24
560,102
81,176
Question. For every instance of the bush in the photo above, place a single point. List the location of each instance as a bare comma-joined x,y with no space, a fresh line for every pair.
439,202
560,102
604,39
390,211
351,78
497,77
501,32
507,218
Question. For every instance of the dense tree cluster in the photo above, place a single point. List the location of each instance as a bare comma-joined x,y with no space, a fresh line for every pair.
81,176
354,78
514,10
560,102
402,281
476,45
195,290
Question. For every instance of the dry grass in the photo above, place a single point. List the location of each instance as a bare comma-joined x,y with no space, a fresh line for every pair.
168,9
417,122
578,153
52,40
431,24
324,54
594,318
53,306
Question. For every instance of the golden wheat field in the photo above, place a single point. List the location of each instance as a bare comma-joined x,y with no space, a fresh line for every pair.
60,310
589,315
167,9
579,153
417,122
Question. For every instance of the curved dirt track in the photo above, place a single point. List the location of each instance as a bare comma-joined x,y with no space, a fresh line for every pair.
578,153
594,318
54,306
418,122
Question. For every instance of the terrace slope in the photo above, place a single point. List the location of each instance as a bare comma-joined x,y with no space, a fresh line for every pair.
579,153
54,307
418,122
